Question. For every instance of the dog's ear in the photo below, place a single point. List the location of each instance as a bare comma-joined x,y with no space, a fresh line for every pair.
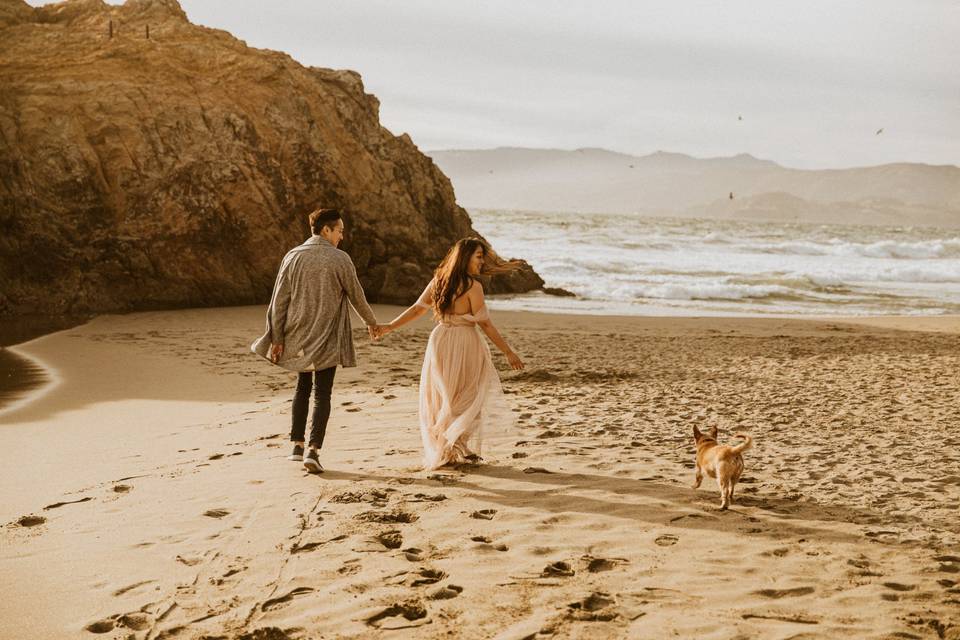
696,434
713,432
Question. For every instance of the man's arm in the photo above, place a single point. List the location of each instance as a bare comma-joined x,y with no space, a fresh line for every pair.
351,286
279,304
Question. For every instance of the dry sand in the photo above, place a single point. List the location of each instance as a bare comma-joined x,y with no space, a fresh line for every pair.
147,495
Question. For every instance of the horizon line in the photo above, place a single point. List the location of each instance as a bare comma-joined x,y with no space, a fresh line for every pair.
686,155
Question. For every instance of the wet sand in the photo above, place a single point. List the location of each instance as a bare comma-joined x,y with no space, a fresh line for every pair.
146,493
18,377
19,374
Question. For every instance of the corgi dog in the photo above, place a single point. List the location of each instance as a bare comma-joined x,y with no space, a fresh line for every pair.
720,461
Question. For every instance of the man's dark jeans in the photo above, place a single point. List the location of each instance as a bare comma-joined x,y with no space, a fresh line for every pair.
322,387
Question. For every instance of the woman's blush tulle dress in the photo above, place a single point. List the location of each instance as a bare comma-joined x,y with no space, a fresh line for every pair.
461,400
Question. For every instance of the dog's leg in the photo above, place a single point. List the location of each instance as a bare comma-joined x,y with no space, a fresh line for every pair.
698,479
723,482
734,479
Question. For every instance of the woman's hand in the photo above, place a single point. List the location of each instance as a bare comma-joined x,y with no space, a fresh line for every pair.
515,362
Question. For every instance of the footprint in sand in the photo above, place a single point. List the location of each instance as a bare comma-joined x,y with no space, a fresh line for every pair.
377,497
595,607
784,593
261,633
390,539
446,593
101,626
423,497
413,554
484,514
596,565
31,521
310,546
948,564
272,603
399,615
666,540
216,513
428,576
392,517
121,488
557,569
896,586
485,544
135,621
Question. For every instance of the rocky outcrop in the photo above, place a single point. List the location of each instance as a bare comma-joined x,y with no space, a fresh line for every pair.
176,170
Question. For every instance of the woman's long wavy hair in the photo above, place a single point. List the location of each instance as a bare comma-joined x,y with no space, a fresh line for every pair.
452,279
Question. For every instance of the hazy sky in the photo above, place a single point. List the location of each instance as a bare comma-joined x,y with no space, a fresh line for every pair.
813,80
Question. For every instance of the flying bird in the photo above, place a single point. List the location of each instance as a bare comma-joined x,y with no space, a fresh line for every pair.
739,117
879,131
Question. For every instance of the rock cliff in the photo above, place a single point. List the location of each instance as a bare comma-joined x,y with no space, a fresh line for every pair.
177,169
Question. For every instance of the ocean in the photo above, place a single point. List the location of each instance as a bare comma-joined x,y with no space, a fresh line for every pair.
632,265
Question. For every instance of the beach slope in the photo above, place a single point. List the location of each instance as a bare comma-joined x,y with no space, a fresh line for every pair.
145,493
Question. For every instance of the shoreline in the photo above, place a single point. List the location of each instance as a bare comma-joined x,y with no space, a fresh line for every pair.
149,492
34,390
26,379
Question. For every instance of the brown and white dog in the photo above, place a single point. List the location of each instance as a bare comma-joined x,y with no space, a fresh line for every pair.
719,461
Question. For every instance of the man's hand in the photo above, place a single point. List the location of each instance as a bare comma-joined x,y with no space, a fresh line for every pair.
515,362
276,350
374,331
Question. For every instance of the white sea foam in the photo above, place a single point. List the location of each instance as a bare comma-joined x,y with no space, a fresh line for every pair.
929,249
712,291
613,262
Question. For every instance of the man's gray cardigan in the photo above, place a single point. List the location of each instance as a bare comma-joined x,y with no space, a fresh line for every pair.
308,312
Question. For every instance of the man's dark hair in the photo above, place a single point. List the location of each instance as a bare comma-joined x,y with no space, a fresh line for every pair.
324,218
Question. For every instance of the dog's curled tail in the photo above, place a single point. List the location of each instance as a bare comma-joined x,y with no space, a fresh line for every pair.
743,446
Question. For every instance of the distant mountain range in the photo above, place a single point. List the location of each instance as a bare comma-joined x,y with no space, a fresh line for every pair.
595,180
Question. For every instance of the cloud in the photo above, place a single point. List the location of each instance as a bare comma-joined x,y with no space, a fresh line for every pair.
812,80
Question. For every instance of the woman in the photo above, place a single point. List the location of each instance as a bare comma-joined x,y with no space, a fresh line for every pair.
460,393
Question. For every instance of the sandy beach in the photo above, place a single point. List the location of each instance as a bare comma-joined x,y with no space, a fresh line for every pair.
145,492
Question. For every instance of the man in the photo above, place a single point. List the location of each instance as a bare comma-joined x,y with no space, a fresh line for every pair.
308,326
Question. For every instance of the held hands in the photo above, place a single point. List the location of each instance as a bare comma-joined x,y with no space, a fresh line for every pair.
515,362
378,331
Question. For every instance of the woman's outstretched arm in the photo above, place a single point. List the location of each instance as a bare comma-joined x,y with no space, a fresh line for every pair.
477,303
411,313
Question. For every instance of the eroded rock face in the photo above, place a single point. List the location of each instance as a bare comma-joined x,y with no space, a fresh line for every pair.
177,170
